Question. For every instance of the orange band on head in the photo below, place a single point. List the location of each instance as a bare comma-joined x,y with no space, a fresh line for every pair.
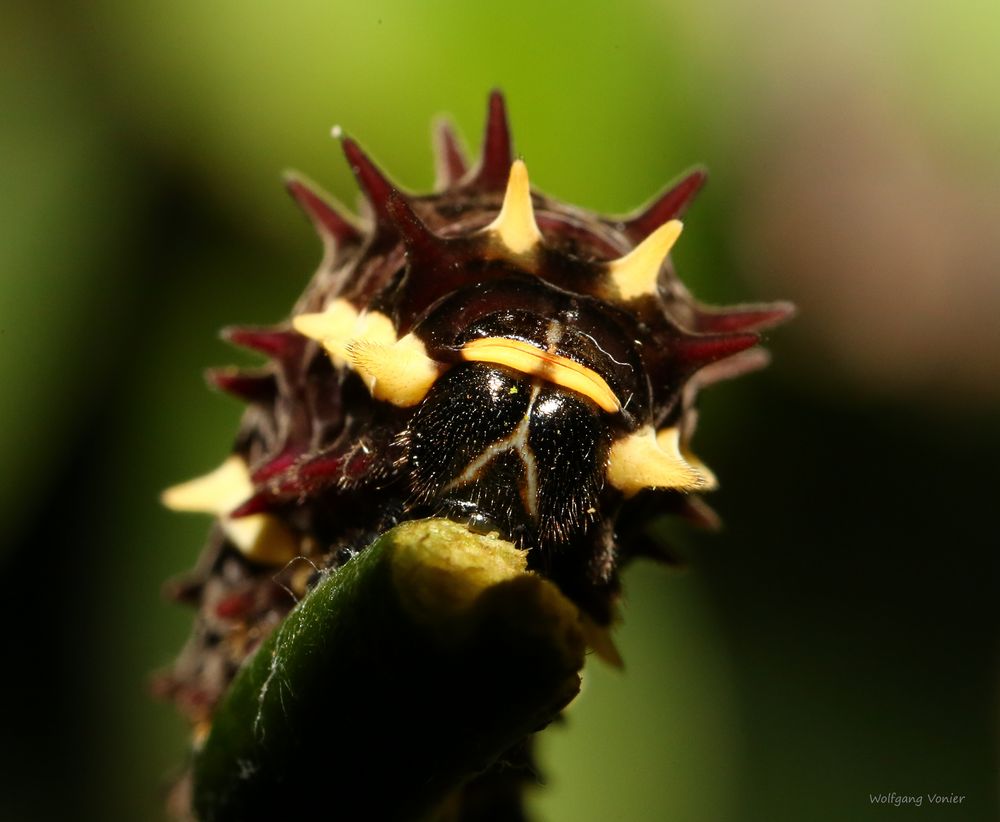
528,359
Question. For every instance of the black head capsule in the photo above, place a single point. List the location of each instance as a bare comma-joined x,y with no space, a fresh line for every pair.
494,445
519,428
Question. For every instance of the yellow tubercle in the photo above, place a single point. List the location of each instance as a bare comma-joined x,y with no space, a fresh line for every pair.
335,324
669,439
342,324
217,492
199,733
647,460
599,640
528,359
515,225
636,273
400,373
394,370
262,538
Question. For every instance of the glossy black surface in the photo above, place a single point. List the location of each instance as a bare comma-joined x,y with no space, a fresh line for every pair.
493,447
577,327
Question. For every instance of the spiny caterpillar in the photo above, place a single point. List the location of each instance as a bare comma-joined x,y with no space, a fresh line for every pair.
484,353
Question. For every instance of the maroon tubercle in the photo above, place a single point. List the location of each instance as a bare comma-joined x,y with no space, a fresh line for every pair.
248,386
452,165
498,151
236,606
260,503
321,211
670,205
377,189
274,342
277,465
421,243
742,318
692,352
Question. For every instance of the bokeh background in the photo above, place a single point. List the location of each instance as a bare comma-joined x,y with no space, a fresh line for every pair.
838,639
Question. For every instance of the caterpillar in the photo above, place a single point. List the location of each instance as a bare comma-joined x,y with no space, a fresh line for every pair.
484,353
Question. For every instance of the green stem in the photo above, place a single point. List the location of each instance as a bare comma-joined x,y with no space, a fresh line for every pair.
398,678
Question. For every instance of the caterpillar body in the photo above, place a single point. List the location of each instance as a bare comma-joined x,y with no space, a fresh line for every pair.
485,353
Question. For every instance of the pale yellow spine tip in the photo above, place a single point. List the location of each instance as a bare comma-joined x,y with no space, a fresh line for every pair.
260,537
214,493
599,640
637,272
400,373
332,328
669,439
515,226
645,460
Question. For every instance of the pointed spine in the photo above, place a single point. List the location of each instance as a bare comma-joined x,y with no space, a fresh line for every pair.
249,386
742,317
498,152
696,351
515,225
670,205
262,539
325,217
644,460
275,466
421,243
185,590
374,184
400,373
274,342
449,158
309,475
738,365
291,476
644,546
637,273
694,509
259,503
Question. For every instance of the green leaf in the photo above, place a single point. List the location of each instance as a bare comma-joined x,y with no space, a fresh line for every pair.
399,677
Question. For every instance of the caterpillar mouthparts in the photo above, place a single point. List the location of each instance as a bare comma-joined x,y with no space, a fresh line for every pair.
485,353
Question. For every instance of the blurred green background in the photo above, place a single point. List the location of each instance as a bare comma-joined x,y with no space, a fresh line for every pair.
838,639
